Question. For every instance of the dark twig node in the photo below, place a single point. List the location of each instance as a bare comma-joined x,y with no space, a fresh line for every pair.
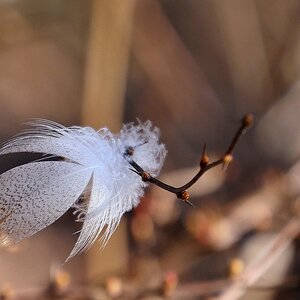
205,165
129,151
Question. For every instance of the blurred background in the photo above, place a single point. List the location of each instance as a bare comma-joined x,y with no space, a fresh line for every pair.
193,68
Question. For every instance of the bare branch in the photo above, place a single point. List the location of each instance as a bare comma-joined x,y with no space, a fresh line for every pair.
181,192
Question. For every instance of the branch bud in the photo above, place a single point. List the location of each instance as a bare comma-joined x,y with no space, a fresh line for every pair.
227,159
184,195
145,176
247,120
204,158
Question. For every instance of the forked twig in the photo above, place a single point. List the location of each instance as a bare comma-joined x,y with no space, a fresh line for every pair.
205,165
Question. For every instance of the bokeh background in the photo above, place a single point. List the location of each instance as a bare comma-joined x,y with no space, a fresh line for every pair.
193,68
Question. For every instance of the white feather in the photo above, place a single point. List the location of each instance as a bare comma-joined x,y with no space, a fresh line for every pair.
34,195
28,196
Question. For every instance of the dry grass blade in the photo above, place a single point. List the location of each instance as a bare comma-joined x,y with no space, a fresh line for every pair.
263,261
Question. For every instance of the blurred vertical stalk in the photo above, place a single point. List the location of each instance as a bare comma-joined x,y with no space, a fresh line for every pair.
107,56
244,47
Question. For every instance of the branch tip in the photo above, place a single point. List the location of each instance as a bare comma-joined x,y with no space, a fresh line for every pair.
190,203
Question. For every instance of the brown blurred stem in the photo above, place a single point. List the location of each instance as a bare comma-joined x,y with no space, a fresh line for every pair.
181,192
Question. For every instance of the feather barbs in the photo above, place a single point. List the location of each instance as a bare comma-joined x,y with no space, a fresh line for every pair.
36,194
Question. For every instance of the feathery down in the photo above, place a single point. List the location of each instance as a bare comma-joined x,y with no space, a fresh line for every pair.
34,195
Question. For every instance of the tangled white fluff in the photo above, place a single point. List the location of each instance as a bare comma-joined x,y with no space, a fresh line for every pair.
34,195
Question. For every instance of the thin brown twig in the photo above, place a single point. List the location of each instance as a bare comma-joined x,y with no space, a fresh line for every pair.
181,192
